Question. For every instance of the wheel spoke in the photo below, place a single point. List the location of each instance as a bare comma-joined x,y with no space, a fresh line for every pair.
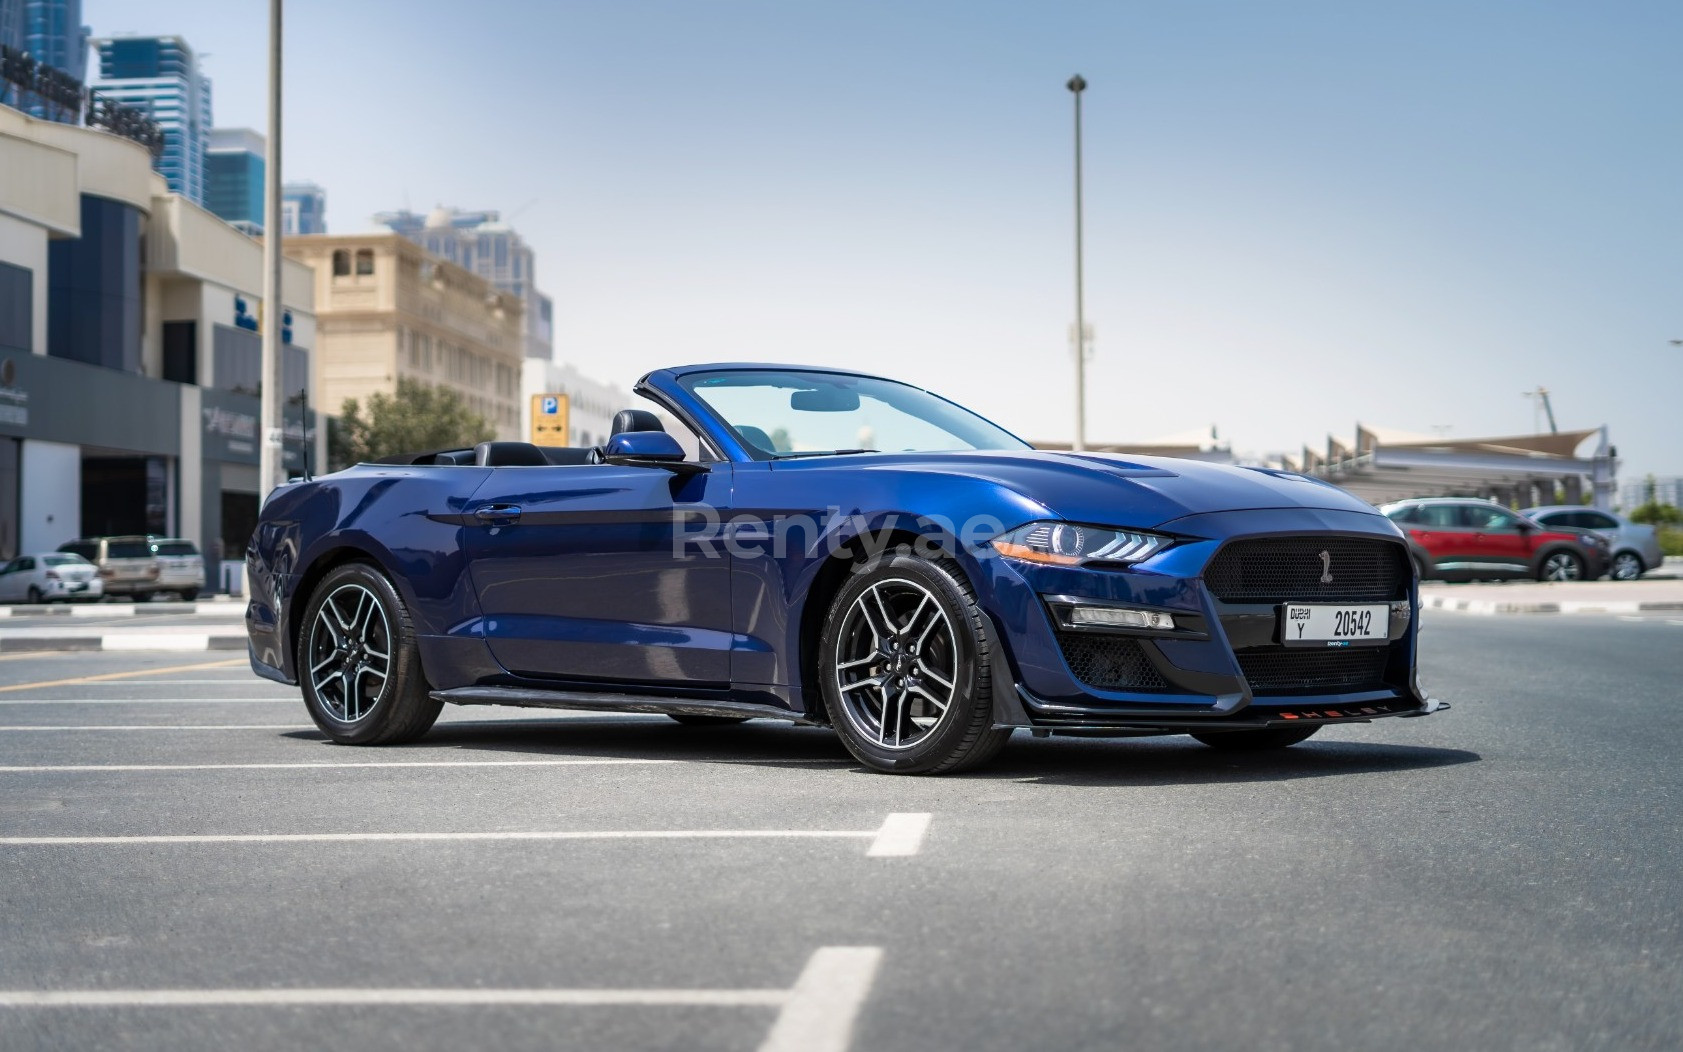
873,681
330,623
869,659
928,673
939,703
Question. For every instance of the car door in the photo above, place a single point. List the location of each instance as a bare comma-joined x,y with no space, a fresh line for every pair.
1502,545
578,577
1438,529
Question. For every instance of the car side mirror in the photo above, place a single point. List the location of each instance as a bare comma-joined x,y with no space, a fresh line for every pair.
649,449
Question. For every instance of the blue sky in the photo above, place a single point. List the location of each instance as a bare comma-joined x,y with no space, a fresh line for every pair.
1299,215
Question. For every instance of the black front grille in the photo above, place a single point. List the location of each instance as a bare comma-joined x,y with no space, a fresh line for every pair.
1109,662
1288,670
1284,569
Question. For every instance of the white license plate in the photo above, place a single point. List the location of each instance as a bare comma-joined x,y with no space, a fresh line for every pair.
1327,625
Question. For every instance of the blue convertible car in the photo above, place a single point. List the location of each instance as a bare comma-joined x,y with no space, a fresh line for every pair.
832,548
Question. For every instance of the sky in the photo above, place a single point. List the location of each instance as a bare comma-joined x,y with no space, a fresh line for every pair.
1298,215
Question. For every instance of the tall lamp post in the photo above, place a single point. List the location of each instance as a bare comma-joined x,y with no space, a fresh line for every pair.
271,464
1076,86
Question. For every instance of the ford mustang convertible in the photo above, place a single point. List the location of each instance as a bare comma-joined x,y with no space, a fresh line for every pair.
832,548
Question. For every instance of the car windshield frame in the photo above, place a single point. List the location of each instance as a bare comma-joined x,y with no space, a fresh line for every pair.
970,430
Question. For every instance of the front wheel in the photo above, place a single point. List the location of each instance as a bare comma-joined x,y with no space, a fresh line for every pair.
906,669
357,662
1627,566
1255,741
1561,566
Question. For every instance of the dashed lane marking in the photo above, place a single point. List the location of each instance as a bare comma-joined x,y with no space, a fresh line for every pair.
893,822
97,768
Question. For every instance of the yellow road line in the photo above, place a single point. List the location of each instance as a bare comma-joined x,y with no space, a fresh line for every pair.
124,675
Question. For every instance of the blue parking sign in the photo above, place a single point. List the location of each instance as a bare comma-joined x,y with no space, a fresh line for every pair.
551,405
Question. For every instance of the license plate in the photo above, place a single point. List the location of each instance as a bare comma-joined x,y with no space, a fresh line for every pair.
79,586
1327,625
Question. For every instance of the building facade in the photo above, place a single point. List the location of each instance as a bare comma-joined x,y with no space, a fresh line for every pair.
130,352
589,404
303,209
483,243
51,31
234,165
160,77
387,311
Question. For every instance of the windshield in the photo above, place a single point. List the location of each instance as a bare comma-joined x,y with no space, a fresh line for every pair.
792,413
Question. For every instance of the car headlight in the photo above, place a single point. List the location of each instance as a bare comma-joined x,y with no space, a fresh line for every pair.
1071,544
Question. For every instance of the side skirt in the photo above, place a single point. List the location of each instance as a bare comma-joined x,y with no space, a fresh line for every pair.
526,697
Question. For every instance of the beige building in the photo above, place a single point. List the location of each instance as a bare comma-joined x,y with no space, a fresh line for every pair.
386,311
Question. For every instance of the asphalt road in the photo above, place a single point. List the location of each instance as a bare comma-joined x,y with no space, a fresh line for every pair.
1504,875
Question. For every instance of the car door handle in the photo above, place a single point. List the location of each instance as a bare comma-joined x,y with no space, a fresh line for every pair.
498,514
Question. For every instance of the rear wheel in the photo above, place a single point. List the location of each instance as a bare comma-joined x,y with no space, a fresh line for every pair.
1627,566
189,594
1255,741
357,661
34,594
1561,566
692,719
906,670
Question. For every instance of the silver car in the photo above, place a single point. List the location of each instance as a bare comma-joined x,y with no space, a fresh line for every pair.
48,578
1635,547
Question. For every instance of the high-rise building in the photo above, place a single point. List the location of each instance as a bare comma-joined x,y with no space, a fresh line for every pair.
51,31
303,209
483,243
234,160
160,77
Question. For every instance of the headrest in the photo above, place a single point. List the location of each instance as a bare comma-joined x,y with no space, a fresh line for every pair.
635,420
508,455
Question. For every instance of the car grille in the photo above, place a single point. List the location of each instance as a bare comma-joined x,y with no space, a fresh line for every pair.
1285,569
1289,670
1109,662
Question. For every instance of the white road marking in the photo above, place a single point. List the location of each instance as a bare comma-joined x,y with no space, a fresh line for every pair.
290,700
817,1015
591,834
155,641
1671,621
588,761
1627,617
901,834
385,996
163,727
822,1008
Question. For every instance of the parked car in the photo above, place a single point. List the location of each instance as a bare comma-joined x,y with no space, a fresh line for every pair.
127,565
1635,546
924,598
181,569
50,577
1466,539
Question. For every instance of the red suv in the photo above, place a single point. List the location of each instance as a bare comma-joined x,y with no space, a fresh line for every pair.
1462,539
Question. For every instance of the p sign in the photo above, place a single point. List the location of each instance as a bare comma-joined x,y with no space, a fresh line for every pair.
549,420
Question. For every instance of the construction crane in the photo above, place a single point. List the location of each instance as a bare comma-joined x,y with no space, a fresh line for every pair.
1541,396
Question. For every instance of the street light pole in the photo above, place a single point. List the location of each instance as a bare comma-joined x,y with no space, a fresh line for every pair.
1076,86
271,457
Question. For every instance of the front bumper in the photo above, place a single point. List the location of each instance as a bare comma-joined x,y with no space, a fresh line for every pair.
1224,666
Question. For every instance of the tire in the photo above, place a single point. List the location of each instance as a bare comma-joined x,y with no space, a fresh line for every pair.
143,597
903,621
1421,570
1256,741
34,594
189,594
1561,565
357,625
692,719
1627,566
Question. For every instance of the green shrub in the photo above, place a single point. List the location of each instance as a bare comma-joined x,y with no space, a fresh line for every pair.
1671,540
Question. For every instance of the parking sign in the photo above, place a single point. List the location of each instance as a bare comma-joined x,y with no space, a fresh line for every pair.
549,420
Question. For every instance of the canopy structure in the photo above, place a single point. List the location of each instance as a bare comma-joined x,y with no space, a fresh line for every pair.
1197,444
1520,470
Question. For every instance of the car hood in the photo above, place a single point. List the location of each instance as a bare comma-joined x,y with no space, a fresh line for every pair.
1104,488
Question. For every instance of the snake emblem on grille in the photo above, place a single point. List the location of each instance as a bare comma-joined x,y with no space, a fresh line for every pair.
1326,567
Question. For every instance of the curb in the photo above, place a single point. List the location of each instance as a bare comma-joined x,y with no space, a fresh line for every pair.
235,609
125,641
1491,606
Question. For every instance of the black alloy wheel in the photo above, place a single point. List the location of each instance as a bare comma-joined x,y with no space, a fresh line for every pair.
358,664
906,668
